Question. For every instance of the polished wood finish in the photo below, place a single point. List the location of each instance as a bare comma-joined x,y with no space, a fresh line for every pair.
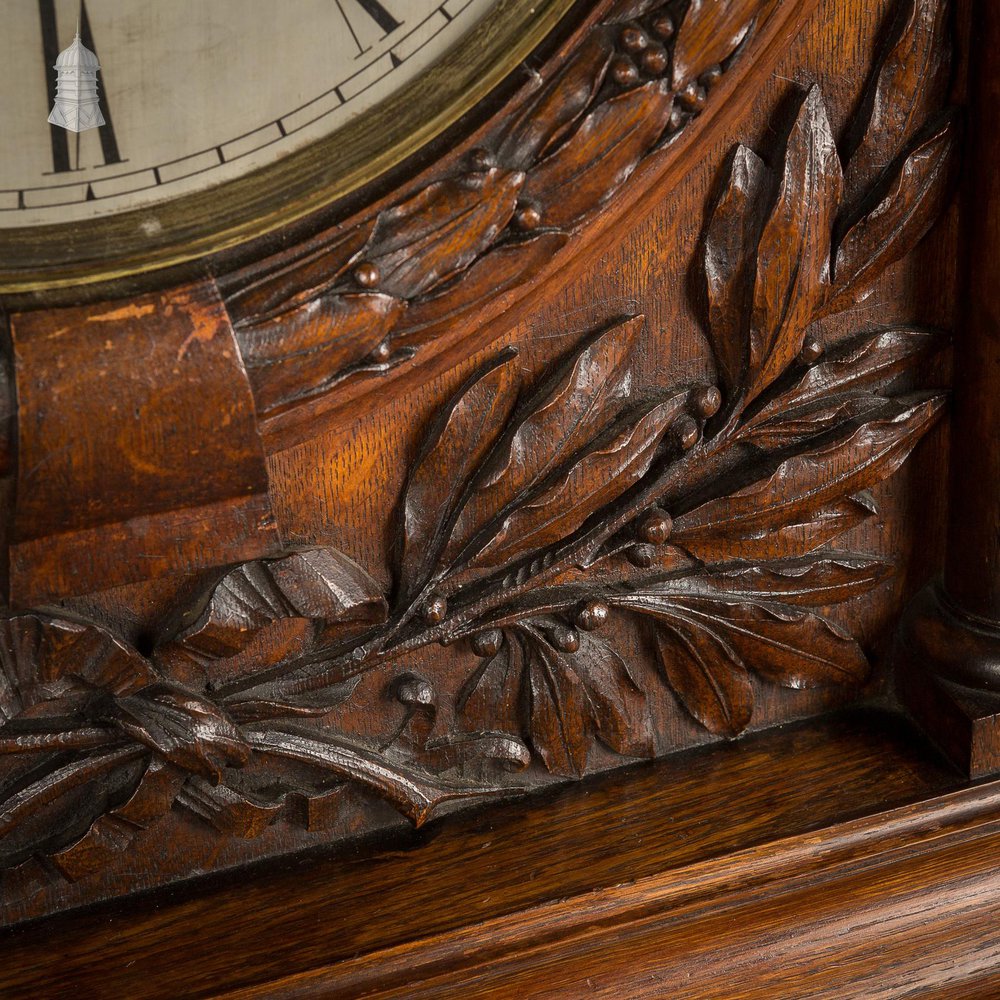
594,882
949,641
972,568
612,428
136,435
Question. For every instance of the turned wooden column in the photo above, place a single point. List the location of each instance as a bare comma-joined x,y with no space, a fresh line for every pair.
950,639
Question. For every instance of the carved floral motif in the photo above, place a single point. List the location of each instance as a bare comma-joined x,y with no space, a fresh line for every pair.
533,513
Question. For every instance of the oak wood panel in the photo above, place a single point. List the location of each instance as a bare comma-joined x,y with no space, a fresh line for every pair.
652,822
138,448
918,927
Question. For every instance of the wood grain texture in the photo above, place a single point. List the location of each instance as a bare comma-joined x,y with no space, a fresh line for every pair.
680,841
668,423
549,167
137,435
972,570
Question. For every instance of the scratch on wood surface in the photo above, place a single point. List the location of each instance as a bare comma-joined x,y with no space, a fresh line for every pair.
125,312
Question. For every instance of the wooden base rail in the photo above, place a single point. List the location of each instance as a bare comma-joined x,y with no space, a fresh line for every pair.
838,859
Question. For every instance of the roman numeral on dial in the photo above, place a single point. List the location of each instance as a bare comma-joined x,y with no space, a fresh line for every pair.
361,15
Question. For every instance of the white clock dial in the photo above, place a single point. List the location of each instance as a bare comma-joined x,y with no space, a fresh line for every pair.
198,92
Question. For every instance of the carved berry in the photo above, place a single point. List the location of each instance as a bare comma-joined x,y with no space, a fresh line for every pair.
641,555
634,39
528,217
366,274
414,690
655,60
435,610
686,432
693,97
812,350
592,615
711,76
706,401
655,526
487,643
565,638
663,26
624,72
382,352
481,159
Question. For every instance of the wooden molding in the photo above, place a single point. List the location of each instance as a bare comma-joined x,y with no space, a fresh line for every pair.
733,871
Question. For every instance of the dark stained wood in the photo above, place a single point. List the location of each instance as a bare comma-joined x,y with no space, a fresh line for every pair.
972,570
137,435
618,560
949,642
675,837
615,428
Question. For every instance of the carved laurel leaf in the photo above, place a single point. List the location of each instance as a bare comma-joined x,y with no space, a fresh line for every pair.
711,31
564,699
617,705
415,794
490,698
789,646
321,585
906,88
56,803
547,118
574,696
423,241
813,479
558,712
595,477
803,533
705,673
44,658
596,160
294,354
802,423
456,445
906,206
858,365
306,275
486,279
565,413
793,257
730,243
817,580
258,707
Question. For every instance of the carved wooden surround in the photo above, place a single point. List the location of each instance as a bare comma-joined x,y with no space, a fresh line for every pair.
614,429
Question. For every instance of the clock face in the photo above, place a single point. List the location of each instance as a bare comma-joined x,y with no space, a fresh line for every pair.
197,93
298,102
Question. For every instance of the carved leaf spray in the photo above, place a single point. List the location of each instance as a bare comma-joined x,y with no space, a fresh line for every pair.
531,514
